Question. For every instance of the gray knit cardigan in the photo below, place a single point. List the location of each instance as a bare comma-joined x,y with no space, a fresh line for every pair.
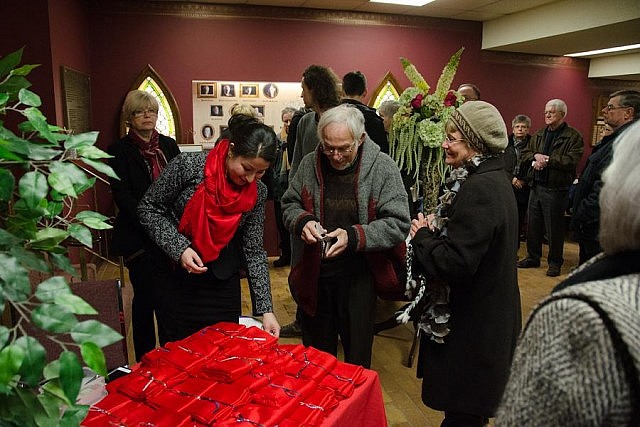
566,371
161,208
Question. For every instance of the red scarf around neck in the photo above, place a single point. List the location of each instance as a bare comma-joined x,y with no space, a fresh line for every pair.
212,215
151,151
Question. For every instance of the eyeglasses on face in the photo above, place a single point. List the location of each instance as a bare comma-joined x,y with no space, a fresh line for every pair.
330,151
450,141
149,111
610,107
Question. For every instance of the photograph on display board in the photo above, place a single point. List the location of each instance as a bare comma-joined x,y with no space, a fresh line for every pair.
217,111
223,128
228,90
249,90
270,90
206,90
259,109
207,132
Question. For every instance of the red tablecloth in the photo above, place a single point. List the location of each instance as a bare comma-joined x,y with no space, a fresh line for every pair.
365,408
231,375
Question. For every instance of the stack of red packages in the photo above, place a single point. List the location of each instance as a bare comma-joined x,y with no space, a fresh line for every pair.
228,375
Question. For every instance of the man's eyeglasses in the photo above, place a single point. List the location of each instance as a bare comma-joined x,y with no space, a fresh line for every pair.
330,151
149,111
610,107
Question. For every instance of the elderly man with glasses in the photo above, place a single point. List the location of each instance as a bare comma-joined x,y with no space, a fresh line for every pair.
346,202
622,109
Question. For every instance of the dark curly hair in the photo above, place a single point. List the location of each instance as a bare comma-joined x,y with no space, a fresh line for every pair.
323,83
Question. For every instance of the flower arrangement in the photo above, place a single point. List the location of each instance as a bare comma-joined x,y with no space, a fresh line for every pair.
417,130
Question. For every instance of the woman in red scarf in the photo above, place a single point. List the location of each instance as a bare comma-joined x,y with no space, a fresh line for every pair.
138,159
206,211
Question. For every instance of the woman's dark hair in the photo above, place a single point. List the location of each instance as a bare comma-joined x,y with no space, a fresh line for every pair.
252,138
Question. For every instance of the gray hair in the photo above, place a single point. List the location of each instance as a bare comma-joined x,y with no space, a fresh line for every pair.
620,195
388,108
343,113
629,98
559,105
138,100
521,118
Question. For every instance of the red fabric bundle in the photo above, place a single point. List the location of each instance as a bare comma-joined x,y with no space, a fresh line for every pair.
311,364
282,390
146,382
219,333
343,379
254,338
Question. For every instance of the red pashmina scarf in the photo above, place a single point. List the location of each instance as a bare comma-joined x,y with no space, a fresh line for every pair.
212,215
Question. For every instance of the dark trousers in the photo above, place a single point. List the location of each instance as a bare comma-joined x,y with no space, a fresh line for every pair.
546,214
150,274
458,419
346,308
588,249
283,233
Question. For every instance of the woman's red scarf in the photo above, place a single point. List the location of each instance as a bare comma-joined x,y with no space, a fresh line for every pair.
212,215
151,151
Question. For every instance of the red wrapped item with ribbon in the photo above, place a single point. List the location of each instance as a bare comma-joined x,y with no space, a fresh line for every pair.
311,364
145,382
282,390
343,379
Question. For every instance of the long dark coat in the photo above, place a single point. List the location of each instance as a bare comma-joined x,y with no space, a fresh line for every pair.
135,178
477,259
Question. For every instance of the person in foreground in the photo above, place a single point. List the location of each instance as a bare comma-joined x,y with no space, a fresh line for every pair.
345,203
138,159
467,253
578,361
206,211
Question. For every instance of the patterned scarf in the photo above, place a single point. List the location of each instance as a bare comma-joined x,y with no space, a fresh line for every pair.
151,151
430,302
212,215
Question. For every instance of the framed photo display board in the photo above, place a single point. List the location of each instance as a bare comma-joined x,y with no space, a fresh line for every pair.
76,99
212,111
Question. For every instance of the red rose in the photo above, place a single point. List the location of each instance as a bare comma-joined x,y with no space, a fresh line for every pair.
450,100
417,101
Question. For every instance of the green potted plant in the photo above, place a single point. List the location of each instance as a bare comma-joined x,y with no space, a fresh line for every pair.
40,178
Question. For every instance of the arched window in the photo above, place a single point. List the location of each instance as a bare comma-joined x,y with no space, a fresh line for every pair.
168,114
388,89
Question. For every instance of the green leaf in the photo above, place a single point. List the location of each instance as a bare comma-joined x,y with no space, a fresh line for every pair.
93,153
74,415
101,167
34,360
29,98
11,358
84,187
75,174
62,184
24,71
22,227
94,331
53,318
4,98
47,238
52,370
55,390
10,61
32,188
94,358
54,208
93,220
13,85
74,304
8,239
16,284
4,334
42,152
30,260
81,140
70,375
39,122
63,263
24,210
50,288
81,233
50,414
7,182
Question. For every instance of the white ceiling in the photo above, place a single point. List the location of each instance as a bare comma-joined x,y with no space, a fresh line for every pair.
544,27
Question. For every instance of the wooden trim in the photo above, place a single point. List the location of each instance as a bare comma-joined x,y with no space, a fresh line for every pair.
389,77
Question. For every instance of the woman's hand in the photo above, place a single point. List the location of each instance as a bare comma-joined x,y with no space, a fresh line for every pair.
418,223
270,324
190,261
